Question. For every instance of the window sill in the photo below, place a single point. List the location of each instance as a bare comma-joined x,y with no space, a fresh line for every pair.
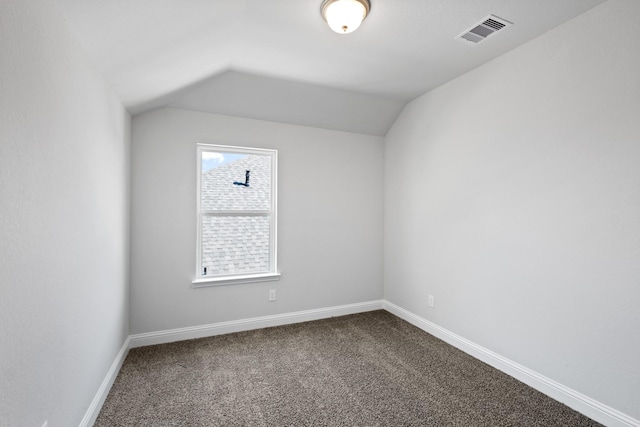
235,280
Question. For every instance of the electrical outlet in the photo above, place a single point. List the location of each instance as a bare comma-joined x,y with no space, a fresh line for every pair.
272,295
431,301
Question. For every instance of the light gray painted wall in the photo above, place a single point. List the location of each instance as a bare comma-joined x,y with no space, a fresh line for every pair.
64,204
512,195
330,205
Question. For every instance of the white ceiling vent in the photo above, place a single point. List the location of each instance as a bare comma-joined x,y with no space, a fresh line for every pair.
489,25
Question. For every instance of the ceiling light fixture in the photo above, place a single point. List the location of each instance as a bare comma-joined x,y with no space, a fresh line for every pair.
344,16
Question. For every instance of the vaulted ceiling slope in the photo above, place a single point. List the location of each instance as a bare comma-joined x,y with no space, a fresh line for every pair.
277,60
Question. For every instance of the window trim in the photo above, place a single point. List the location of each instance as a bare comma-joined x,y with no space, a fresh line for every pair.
263,276
235,280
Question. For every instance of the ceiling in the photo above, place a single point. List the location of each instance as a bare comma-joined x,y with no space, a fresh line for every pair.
277,60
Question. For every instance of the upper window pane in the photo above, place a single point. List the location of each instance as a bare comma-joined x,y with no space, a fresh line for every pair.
225,185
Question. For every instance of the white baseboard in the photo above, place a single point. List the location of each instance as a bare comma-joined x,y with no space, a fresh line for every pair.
98,400
575,400
201,331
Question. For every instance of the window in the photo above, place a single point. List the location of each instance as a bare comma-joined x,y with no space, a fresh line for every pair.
236,205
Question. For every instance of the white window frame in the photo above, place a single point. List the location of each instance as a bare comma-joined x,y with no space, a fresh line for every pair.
272,274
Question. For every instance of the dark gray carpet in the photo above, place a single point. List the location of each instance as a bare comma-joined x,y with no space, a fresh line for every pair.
370,369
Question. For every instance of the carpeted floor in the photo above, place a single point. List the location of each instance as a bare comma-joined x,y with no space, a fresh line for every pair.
370,369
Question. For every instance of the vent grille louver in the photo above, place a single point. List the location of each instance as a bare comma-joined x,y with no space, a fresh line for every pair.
484,29
493,24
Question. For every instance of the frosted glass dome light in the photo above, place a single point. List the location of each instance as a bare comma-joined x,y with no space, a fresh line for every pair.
344,16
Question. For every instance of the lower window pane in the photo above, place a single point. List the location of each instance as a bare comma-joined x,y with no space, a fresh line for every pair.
235,245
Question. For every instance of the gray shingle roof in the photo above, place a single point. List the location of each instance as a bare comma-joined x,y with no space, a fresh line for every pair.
236,244
219,192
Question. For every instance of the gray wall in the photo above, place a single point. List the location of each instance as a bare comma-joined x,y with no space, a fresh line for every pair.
64,205
330,204
512,195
